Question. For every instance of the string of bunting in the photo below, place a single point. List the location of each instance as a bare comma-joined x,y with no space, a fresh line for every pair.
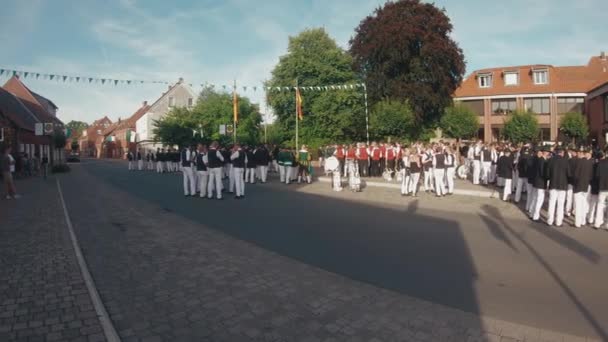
111,81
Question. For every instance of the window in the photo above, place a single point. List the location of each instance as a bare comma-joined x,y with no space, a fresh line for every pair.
475,105
503,106
540,76
190,102
511,78
570,104
538,106
98,131
485,81
171,101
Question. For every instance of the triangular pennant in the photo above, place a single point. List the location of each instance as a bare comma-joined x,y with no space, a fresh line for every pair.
25,74
37,75
1,71
51,77
15,72
129,82
103,81
224,86
142,82
90,79
190,84
77,78
115,82
244,88
254,88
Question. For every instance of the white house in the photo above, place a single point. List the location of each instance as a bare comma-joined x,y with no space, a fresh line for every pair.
178,95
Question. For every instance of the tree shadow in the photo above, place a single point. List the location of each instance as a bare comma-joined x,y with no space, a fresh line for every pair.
597,326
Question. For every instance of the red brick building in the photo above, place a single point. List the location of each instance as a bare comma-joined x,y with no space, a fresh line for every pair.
91,136
120,137
546,90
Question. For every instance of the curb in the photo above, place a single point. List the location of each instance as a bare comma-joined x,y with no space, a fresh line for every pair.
460,192
102,314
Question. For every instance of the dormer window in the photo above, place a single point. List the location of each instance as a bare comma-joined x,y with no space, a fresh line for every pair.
171,101
485,80
190,102
540,76
511,78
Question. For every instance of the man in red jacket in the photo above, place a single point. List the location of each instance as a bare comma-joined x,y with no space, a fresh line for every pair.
390,156
376,156
363,159
340,154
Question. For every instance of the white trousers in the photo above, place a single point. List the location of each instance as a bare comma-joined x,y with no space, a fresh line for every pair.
250,175
159,167
539,200
530,197
203,179
592,207
493,173
521,183
507,189
140,165
580,208
486,172
238,180
405,183
601,209
130,165
439,186
336,180
287,172
569,200
449,176
215,182
557,198
414,179
263,172
428,180
476,171
230,178
282,172
189,185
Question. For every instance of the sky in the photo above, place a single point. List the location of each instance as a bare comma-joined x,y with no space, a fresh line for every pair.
219,41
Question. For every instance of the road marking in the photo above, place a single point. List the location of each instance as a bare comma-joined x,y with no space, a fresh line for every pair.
106,323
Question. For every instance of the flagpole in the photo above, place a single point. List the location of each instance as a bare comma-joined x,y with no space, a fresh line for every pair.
233,117
366,114
266,122
297,118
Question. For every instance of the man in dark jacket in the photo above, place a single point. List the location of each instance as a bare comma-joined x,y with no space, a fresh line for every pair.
539,183
583,173
572,160
601,175
557,174
262,159
522,172
504,169
530,174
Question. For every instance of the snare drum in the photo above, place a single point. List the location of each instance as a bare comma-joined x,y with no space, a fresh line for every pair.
332,164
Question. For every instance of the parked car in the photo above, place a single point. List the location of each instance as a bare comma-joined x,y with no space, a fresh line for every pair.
74,157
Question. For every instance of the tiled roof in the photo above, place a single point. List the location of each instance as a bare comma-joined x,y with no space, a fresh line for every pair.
17,88
127,123
14,110
565,79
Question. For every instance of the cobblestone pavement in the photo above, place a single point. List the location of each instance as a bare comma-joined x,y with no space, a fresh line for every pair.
165,277
42,293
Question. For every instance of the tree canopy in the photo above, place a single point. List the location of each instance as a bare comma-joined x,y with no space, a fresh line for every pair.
313,58
76,127
392,120
459,122
574,126
521,127
404,52
182,126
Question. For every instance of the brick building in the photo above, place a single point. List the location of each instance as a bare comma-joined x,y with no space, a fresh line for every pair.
546,90
120,137
91,136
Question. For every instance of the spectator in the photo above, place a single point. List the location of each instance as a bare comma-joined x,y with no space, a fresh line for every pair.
7,167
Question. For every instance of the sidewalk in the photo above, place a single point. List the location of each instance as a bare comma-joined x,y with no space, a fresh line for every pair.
43,296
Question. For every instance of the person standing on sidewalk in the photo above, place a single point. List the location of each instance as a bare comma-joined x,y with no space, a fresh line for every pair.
44,165
140,161
201,170
540,183
572,160
557,173
7,167
450,163
130,159
251,165
239,160
601,174
186,158
438,171
504,170
363,160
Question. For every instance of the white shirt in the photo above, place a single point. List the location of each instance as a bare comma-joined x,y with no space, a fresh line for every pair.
12,163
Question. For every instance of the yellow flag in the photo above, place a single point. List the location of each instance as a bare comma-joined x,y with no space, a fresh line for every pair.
235,107
299,104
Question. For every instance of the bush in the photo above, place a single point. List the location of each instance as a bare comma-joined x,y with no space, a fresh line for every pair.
521,127
61,168
459,122
574,126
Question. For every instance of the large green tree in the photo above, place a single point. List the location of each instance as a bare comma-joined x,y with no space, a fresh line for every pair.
574,126
404,51
76,127
314,59
214,108
459,122
392,120
521,127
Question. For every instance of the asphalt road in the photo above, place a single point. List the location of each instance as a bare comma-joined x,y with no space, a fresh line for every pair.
480,256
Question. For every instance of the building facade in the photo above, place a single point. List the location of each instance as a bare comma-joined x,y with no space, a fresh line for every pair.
120,138
545,90
89,138
178,95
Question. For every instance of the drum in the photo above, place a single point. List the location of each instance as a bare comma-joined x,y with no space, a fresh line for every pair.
332,164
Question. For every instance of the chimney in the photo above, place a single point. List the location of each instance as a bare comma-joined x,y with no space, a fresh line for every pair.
603,55
145,103
181,80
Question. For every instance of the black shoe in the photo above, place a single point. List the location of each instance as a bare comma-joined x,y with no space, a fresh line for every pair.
237,197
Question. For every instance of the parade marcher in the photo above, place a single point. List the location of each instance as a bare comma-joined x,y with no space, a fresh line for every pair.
351,160
504,170
44,165
140,161
215,165
405,173
415,168
295,166
130,159
450,171
375,155
522,166
477,162
540,184
439,171
340,154
201,170
593,197
239,160
583,173
601,174
303,160
285,165
390,158
275,156
7,167
427,166
557,174
262,160
251,165
486,165
570,192
187,156
494,155
531,174
159,161
363,160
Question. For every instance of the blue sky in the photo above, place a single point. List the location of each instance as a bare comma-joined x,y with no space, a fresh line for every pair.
217,41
